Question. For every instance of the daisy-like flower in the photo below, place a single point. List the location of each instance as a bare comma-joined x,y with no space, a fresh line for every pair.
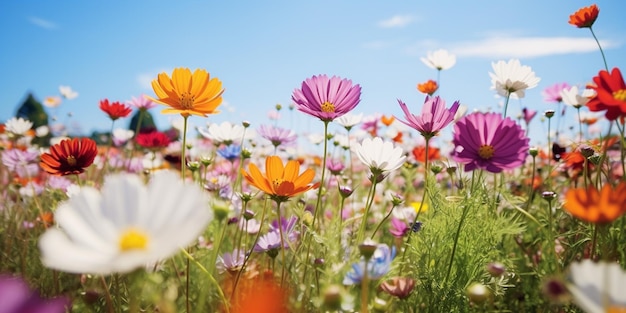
597,287
188,94
115,109
269,243
327,98
610,91
572,97
429,87
553,94
435,116
231,262
125,226
22,162
349,120
278,136
18,126
67,92
512,78
142,102
70,156
381,157
52,101
596,206
584,17
440,59
489,142
224,133
280,182
377,266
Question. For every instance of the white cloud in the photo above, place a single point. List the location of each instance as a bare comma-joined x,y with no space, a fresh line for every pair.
396,21
42,23
527,47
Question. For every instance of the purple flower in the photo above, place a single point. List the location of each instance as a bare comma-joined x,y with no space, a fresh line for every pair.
486,141
528,115
269,243
278,136
289,229
335,166
23,162
231,262
552,94
16,296
327,98
398,228
434,116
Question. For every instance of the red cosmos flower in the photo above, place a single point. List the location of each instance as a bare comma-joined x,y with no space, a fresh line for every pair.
610,94
115,110
419,153
153,140
584,17
70,156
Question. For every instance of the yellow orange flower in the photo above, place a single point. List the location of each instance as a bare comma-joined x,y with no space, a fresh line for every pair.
429,87
595,206
584,17
387,120
280,182
188,94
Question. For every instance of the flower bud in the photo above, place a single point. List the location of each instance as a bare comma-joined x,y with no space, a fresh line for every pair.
332,297
367,248
533,151
496,269
549,113
478,293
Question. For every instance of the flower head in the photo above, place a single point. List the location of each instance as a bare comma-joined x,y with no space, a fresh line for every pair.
419,153
397,286
600,207
230,152
225,132
280,182
115,110
188,94
67,92
597,287
487,141
142,102
377,266
52,101
572,98
16,296
528,115
327,98
381,157
435,116
18,126
584,17
126,225
153,140
231,262
22,162
610,91
278,136
553,94
429,87
440,59
512,78
349,120
70,156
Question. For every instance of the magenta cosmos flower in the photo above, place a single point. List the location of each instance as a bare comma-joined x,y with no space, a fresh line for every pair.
327,98
486,141
434,116
552,94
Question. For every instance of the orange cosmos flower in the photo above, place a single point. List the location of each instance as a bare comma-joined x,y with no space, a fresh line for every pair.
429,87
387,120
188,94
280,181
70,156
419,153
584,17
599,207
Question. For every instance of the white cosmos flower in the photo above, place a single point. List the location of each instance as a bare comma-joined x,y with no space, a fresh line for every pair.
52,101
125,226
349,120
67,92
571,96
440,59
512,78
597,287
18,126
225,132
380,156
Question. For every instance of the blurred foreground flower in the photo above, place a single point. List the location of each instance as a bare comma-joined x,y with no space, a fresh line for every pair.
188,94
18,126
584,17
280,182
327,98
598,287
17,297
125,226
70,156
595,206
610,91
487,141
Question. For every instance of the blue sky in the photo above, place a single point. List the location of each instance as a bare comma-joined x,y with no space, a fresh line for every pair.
262,50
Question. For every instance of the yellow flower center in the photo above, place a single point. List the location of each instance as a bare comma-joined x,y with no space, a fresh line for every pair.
186,100
71,160
328,107
133,239
485,152
620,95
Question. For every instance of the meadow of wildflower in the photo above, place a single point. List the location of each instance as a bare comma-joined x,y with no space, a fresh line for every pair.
383,216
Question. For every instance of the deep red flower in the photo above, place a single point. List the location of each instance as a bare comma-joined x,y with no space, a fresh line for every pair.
610,94
584,17
153,140
115,110
70,156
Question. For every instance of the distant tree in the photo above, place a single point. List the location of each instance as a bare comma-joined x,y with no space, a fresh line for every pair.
33,110
147,122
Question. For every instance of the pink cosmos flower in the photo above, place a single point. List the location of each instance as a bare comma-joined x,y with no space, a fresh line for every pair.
278,136
327,98
489,142
552,94
142,103
434,116
528,115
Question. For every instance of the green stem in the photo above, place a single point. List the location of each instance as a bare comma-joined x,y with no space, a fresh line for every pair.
211,278
369,201
600,47
282,244
318,205
506,103
183,157
382,222
456,241
365,289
